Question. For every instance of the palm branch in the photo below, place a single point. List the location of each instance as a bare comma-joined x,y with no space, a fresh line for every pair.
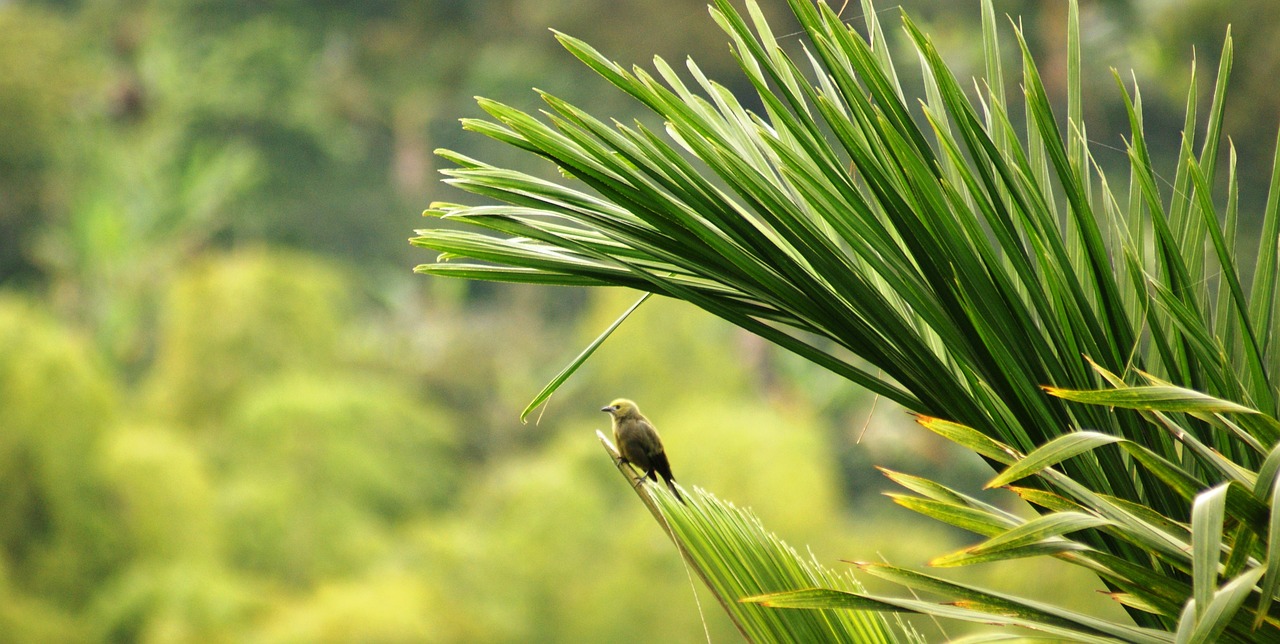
932,250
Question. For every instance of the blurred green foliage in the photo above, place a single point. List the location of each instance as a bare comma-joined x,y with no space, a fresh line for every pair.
40,78
229,323
228,411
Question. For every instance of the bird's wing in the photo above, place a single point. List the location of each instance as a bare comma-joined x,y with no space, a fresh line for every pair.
654,447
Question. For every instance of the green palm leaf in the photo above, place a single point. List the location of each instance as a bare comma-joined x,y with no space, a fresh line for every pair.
1103,348
733,554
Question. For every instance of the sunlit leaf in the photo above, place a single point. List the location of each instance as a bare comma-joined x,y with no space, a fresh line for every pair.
1054,452
1155,398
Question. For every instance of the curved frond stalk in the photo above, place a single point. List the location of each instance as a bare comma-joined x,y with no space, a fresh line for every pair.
732,553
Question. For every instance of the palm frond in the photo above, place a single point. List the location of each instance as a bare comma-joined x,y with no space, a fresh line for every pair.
732,553
985,275
1208,577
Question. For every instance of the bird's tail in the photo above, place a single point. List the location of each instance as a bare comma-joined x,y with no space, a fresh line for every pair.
671,485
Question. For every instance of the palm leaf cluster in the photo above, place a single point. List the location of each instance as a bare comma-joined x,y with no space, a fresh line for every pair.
928,247
1210,578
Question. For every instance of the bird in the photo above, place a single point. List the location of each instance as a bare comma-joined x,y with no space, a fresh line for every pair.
639,443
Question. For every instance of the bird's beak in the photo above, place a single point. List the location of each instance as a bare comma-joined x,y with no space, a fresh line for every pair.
609,409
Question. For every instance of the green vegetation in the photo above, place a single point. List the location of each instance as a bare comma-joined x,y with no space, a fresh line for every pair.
990,274
229,412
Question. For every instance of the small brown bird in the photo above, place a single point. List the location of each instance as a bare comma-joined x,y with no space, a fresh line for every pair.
639,443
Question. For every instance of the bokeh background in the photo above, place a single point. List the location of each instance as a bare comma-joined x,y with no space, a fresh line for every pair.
230,412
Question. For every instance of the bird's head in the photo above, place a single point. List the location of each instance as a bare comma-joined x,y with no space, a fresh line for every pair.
621,408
